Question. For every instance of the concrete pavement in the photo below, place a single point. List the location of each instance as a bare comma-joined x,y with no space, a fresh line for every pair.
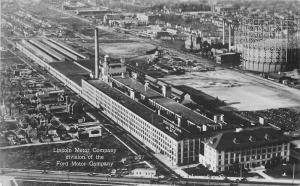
266,178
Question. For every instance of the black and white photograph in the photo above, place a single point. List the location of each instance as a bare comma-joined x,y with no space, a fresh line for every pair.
150,92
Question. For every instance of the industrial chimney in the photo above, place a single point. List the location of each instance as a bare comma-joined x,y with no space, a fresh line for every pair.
96,54
223,32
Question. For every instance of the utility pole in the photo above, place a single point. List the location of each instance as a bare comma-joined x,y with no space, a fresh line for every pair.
229,36
293,173
223,32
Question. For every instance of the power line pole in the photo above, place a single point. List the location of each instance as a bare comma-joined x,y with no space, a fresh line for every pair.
293,173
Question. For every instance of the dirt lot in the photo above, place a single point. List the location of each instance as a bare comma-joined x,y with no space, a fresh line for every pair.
241,91
126,49
120,48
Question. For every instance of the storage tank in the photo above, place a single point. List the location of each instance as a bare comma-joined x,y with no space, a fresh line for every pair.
267,44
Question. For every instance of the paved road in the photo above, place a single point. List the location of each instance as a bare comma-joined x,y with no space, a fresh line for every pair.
65,177
84,178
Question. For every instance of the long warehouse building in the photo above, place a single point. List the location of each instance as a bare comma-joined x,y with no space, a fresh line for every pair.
61,49
38,51
31,55
47,49
140,121
67,48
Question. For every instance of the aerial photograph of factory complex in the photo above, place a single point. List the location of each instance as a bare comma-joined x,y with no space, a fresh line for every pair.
150,92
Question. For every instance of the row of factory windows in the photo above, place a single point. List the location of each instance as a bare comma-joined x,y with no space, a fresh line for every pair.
143,130
131,122
188,151
150,136
257,150
261,157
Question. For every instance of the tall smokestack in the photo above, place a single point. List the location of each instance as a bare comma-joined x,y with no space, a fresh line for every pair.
223,32
96,54
229,37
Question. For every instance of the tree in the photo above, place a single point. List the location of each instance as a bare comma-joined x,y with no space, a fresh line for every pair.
73,130
61,131
274,162
268,165
54,123
33,122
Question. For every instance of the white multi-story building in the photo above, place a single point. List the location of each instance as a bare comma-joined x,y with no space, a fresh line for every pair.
249,148
142,122
69,73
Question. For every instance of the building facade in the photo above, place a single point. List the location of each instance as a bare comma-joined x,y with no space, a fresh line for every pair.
248,148
143,130
150,130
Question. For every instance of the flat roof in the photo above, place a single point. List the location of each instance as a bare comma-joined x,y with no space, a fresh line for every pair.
168,103
88,126
76,78
186,112
69,68
89,10
126,101
137,86
89,64
194,92
136,107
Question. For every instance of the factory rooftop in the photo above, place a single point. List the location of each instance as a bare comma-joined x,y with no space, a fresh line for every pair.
167,103
184,111
76,78
246,138
132,105
139,87
69,68
139,109
88,64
